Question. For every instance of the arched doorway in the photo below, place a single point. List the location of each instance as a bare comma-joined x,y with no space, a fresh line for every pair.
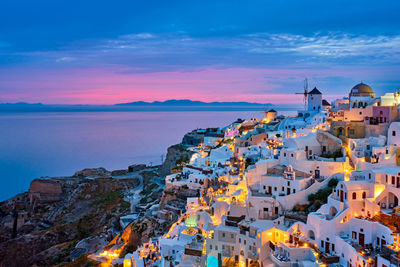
393,200
311,235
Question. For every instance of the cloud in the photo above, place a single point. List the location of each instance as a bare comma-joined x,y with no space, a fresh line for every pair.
179,51
65,59
334,45
253,67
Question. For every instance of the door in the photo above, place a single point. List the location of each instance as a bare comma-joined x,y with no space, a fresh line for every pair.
398,182
288,191
317,174
327,248
361,239
341,195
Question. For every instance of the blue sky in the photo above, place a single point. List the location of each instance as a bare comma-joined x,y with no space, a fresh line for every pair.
119,51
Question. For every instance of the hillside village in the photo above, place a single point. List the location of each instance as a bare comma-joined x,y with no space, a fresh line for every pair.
320,188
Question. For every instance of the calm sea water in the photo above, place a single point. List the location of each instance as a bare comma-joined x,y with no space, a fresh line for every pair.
58,144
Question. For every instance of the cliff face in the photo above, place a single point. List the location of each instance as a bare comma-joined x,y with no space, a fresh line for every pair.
49,230
193,138
176,155
60,221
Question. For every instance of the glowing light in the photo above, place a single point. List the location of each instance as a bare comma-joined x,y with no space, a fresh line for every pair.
378,192
127,263
191,221
212,261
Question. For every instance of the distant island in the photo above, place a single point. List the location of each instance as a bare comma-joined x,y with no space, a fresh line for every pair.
188,102
168,105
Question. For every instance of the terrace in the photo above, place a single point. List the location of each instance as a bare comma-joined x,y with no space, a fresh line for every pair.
367,252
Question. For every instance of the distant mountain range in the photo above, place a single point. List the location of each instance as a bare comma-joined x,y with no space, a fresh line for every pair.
168,105
187,102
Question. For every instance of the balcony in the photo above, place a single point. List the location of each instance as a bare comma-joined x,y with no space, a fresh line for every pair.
194,249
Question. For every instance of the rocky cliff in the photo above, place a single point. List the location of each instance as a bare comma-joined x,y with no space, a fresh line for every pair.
47,232
176,156
68,221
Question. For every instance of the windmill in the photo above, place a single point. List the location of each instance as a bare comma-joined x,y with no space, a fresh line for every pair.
305,93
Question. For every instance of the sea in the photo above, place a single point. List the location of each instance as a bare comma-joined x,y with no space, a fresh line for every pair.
40,144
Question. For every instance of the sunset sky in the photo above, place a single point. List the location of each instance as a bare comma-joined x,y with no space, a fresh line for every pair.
106,52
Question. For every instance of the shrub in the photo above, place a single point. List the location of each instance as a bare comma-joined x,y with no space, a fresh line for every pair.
333,182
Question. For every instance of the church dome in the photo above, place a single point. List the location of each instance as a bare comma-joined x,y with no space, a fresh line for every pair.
362,89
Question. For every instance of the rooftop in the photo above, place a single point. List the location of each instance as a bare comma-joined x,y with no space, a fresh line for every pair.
315,91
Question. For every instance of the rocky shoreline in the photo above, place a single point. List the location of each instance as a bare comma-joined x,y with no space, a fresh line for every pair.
60,221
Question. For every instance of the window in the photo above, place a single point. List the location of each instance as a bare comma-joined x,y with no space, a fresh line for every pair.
354,235
275,189
240,240
223,246
294,191
232,236
210,246
223,234
265,209
364,195
354,196
322,243
283,189
288,183
351,131
216,247
393,133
